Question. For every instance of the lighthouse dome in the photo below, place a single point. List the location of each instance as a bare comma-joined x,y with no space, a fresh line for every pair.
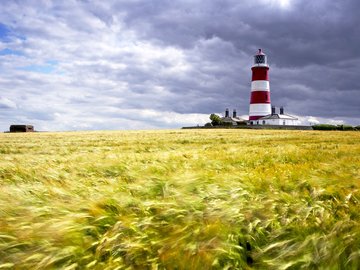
260,59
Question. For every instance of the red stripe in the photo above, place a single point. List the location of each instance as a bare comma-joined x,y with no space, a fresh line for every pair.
260,73
255,117
260,97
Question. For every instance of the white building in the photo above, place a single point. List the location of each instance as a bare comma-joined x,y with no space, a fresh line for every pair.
277,119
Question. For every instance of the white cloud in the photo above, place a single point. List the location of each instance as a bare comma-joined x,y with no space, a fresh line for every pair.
311,120
117,119
6,103
284,4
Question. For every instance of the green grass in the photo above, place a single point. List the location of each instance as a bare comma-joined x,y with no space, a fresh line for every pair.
180,199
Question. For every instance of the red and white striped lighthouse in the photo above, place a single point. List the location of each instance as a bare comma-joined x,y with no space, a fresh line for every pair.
260,88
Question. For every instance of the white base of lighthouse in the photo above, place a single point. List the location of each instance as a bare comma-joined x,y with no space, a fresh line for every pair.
259,110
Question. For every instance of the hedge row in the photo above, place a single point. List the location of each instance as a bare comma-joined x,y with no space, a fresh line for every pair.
334,127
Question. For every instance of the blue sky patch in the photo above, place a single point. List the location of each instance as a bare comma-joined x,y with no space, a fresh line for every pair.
8,51
48,68
4,32
7,34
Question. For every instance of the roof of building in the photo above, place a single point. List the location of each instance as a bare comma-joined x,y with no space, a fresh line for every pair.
23,126
278,116
260,52
232,119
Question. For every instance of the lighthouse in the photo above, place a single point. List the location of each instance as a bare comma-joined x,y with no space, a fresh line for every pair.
260,105
261,113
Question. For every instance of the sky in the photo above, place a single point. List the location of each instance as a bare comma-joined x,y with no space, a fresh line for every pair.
142,64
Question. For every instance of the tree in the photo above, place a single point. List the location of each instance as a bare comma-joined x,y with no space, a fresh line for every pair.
215,119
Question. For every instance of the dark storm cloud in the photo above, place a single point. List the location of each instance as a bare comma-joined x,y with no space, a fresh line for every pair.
320,34
133,61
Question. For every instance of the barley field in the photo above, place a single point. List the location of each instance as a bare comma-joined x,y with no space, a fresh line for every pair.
180,199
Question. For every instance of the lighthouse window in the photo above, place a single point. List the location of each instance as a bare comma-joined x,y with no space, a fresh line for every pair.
263,122
260,59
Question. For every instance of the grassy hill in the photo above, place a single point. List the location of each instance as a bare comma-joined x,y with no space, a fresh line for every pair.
180,199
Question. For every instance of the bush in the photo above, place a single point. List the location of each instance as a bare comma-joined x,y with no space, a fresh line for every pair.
324,127
242,123
208,125
215,119
345,127
227,124
333,127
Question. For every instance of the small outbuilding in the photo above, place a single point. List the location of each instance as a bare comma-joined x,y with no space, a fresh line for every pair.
234,120
21,128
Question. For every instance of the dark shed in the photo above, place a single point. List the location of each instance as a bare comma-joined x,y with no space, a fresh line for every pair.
21,128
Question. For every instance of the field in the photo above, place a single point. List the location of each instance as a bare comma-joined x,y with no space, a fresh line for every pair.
180,199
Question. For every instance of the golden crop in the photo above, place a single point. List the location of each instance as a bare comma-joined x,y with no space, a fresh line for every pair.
180,199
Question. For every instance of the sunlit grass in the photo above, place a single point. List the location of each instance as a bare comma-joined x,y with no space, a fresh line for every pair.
180,199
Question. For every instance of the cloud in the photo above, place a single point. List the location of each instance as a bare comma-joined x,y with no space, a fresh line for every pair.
311,120
46,68
6,103
160,64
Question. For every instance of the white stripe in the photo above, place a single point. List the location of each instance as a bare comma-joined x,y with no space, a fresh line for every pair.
260,65
259,109
260,86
